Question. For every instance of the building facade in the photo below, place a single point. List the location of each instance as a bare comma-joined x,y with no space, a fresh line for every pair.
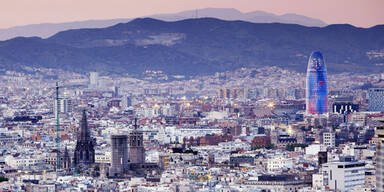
329,139
344,107
376,99
316,88
344,176
380,159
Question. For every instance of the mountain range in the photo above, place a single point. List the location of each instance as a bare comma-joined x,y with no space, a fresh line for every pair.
198,46
46,30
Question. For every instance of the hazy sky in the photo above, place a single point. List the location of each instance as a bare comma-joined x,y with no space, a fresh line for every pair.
363,13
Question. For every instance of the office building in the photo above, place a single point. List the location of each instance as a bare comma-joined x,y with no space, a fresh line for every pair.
376,99
343,176
64,107
93,79
344,108
316,88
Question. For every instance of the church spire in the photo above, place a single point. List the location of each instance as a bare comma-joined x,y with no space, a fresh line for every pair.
84,132
66,152
84,151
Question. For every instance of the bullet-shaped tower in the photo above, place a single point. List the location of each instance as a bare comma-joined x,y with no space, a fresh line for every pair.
316,88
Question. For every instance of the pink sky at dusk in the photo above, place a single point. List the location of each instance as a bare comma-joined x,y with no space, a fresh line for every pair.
362,13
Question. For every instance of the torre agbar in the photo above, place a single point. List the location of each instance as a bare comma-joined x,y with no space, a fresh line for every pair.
316,89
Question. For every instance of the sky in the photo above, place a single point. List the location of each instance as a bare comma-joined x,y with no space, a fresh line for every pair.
361,13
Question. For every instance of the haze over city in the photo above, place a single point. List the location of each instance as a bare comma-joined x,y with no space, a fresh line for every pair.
359,13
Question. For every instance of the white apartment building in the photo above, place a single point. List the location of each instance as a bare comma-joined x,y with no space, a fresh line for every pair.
344,176
103,157
20,162
317,181
277,164
329,139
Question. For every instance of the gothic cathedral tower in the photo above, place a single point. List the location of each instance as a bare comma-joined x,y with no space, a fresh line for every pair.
136,147
84,152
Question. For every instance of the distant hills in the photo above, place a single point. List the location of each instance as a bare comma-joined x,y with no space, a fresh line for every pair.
198,46
233,14
48,29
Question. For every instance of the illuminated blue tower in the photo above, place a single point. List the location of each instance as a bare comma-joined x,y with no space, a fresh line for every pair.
316,90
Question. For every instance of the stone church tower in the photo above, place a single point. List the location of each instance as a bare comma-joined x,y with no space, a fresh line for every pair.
66,160
136,147
84,152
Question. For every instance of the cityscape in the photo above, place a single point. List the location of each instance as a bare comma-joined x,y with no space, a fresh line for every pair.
214,120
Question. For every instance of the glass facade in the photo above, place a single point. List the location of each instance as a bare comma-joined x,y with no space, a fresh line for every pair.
376,99
316,90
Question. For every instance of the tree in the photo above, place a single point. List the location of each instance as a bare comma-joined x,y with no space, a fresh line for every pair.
291,147
2,178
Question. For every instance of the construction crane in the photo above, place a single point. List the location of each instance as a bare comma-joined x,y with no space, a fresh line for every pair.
58,163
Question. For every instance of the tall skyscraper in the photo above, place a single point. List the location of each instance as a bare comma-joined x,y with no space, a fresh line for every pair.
65,106
94,79
376,99
380,158
84,152
316,89
116,91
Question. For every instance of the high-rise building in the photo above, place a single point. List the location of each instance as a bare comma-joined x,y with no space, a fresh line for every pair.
65,106
380,158
116,91
94,79
316,89
84,152
376,99
119,155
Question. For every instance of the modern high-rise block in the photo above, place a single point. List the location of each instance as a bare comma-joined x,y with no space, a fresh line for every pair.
94,79
376,99
65,106
316,88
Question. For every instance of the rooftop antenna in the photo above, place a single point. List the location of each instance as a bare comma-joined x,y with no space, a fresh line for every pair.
135,123
58,163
